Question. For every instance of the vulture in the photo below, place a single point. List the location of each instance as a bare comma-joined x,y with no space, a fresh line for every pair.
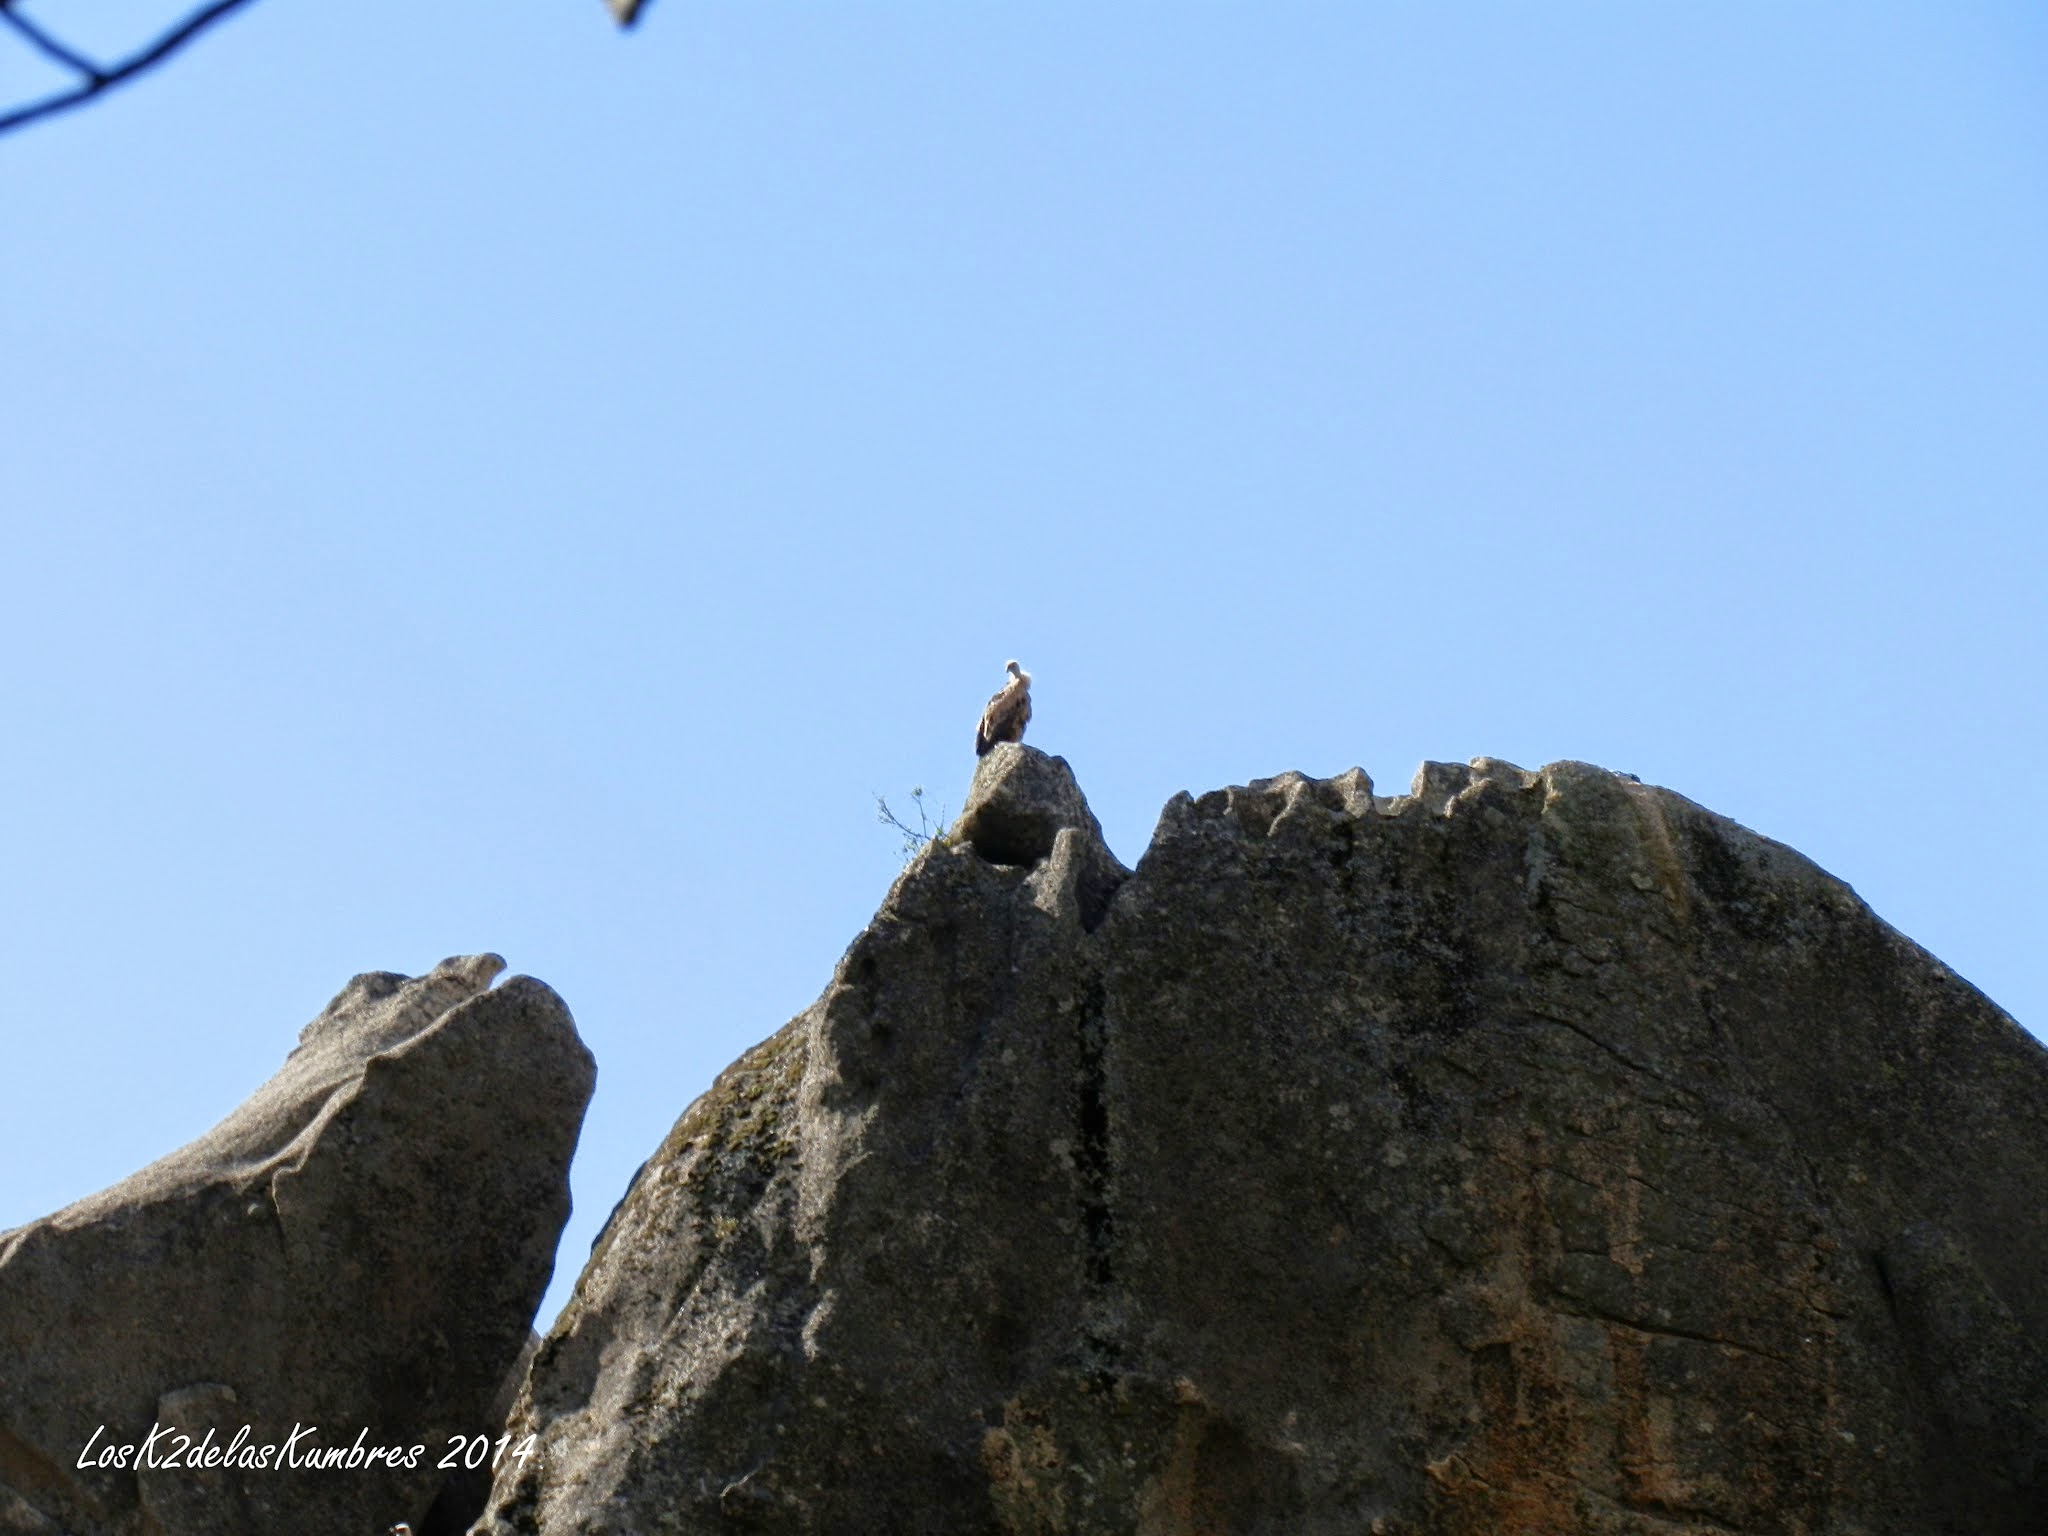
1007,713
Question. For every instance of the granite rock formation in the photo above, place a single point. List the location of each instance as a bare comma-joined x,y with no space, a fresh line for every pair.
1530,1154
356,1251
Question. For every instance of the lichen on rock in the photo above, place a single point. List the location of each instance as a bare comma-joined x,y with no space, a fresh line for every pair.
357,1250
1532,1152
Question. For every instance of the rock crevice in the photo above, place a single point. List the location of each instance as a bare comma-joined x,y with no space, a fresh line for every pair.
1529,1152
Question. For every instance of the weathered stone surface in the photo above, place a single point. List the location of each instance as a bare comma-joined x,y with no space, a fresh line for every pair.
466,1490
358,1249
1532,1153
1025,809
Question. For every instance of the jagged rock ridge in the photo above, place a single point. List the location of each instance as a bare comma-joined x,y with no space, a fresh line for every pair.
1532,1153
357,1250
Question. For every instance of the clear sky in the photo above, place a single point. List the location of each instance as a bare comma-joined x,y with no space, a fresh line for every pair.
473,480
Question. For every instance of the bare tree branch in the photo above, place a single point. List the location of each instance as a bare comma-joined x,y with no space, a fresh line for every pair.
94,79
78,63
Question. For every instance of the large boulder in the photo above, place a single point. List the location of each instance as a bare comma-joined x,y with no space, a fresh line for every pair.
349,1262
1530,1153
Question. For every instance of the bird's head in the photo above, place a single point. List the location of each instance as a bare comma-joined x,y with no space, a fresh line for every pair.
1014,670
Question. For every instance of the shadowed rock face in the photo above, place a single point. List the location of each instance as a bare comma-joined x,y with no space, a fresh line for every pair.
358,1248
1533,1153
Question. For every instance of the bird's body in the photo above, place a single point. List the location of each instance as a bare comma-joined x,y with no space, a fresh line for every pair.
1007,713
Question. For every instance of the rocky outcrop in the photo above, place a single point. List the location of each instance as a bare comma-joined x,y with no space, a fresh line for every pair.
1531,1153
466,1490
352,1258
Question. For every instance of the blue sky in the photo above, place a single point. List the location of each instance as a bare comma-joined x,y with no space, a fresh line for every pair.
475,480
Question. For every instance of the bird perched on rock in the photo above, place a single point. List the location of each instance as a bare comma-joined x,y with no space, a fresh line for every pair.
1007,713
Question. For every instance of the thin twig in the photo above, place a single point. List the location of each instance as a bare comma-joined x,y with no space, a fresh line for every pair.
78,63
914,838
98,80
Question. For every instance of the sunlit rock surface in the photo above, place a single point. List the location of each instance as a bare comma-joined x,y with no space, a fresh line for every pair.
1532,1153
356,1251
